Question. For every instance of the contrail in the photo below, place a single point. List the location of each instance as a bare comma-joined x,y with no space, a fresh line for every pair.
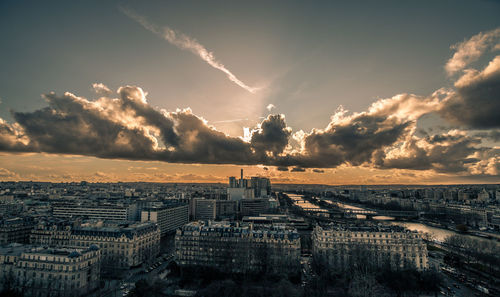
230,121
185,42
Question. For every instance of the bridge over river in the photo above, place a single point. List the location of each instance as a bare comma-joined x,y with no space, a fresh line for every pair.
369,213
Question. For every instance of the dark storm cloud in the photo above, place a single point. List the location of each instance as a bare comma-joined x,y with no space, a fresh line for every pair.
271,137
11,140
476,103
452,152
353,142
200,143
134,99
69,126
127,127
123,127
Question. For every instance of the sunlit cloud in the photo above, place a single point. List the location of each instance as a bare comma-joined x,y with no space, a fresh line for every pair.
470,50
270,107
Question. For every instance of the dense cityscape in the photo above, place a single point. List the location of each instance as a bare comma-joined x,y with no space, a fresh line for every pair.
218,148
152,239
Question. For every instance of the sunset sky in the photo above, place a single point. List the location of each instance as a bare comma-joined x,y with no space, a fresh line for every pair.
331,92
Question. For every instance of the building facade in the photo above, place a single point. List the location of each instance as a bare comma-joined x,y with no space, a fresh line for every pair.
238,249
37,271
112,212
341,248
122,245
205,209
15,230
168,217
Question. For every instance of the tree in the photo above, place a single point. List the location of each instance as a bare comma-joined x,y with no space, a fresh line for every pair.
364,284
462,228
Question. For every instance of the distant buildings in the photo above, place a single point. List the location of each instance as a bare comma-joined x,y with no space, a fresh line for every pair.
113,212
37,271
204,209
169,217
255,187
249,207
231,248
339,248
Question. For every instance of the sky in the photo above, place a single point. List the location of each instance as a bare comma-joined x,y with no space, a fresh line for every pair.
330,92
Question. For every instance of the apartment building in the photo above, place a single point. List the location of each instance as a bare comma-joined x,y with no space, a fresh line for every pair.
123,245
15,230
341,247
230,247
39,271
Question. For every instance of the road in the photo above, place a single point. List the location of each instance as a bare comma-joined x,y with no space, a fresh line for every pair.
121,288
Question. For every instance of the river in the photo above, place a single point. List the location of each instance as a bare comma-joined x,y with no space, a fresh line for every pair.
436,233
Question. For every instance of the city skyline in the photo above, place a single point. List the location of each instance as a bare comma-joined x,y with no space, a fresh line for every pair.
165,92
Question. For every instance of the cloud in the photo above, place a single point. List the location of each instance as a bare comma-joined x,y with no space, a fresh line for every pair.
185,42
354,139
318,170
123,125
230,121
270,107
7,174
493,135
127,127
470,50
475,103
102,89
450,152
271,136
